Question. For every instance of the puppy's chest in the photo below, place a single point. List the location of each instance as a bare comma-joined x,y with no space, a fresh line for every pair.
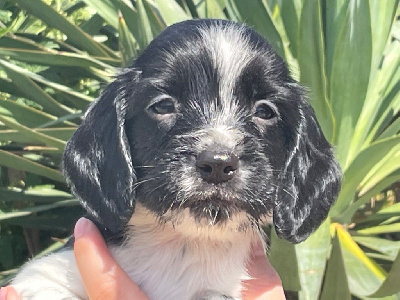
177,268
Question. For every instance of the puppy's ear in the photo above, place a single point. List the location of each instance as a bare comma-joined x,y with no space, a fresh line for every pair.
97,161
309,182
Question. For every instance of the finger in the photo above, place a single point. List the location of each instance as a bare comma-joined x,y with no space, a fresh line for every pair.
265,282
102,277
8,293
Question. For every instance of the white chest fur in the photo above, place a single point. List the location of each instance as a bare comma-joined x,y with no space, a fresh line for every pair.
174,262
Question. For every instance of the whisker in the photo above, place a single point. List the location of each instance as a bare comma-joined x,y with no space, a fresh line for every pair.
157,187
184,200
290,194
143,181
137,167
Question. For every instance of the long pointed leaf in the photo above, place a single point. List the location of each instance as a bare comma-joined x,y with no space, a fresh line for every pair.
145,35
23,114
256,14
24,79
354,174
33,91
282,256
63,134
381,229
209,9
34,195
364,275
14,161
290,12
392,129
388,90
375,102
52,18
391,285
171,11
311,256
388,165
312,64
335,15
107,9
335,285
382,15
40,208
127,43
157,23
55,58
347,215
350,74
48,140
387,247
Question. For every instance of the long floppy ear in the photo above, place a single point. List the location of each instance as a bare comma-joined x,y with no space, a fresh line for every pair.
97,161
309,182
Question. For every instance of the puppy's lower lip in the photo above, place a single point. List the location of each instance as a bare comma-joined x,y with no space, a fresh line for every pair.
206,202
216,193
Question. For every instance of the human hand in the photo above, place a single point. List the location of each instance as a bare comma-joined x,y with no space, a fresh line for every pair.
265,282
102,277
8,293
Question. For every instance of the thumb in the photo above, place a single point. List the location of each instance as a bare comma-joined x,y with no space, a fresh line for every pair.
264,282
8,293
102,277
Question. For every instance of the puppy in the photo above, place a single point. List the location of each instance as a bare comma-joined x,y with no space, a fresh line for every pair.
181,159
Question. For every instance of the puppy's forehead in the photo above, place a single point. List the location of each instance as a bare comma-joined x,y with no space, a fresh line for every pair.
210,62
230,51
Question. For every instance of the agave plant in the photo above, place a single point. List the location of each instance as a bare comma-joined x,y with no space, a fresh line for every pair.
56,55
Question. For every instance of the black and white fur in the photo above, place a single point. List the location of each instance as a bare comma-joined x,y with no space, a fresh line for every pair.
201,88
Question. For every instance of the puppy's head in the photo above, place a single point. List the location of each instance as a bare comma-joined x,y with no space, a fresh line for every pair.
207,122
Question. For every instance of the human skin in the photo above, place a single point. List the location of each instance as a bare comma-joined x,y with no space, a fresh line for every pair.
104,279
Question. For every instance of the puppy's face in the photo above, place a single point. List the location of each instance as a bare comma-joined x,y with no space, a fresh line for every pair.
208,121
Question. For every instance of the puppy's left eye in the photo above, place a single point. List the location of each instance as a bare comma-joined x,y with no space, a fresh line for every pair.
263,110
163,107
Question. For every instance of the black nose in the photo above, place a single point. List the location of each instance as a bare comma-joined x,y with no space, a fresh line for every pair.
216,167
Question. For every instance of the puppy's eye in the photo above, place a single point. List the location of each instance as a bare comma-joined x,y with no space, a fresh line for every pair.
164,107
264,111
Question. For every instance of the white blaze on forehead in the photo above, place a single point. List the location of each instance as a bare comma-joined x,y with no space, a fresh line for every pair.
231,52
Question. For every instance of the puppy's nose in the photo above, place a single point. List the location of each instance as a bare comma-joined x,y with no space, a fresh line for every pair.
217,167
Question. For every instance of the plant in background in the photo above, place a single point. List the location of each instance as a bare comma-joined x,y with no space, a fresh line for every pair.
56,55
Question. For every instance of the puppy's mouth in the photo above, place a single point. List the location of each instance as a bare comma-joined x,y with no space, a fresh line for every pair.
213,208
207,204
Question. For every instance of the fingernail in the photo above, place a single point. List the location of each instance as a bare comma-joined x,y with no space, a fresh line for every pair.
3,293
82,227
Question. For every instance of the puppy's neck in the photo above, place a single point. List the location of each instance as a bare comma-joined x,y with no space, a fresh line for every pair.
161,255
184,226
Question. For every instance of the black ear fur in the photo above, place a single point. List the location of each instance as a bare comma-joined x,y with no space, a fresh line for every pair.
97,162
309,182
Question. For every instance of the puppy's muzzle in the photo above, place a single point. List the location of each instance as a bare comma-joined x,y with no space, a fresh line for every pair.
217,167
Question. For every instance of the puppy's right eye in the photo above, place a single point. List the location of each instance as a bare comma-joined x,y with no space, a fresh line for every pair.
163,107
264,111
